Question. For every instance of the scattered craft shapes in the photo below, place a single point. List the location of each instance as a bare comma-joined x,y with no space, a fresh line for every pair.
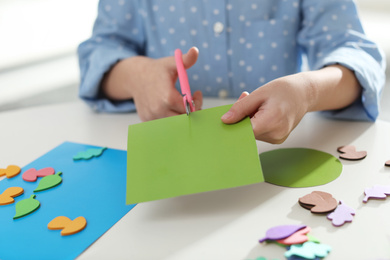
387,163
26,206
32,174
308,250
376,192
318,202
281,232
11,171
7,197
298,237
342,214
86,155
49,182
348,152
68,226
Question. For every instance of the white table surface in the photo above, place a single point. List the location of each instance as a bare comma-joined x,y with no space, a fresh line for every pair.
223,224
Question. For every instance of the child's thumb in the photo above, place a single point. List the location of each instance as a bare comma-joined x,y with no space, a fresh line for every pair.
241,109
190,58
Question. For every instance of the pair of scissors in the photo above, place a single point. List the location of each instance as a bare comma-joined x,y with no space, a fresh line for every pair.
184,85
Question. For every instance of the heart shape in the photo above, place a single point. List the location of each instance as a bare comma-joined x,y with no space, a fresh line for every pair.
32,174
7,197
68,226
298,237
348,152
10,171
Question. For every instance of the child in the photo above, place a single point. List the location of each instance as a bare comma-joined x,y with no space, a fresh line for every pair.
128,62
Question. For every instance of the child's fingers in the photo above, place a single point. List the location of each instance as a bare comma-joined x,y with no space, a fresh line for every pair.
246,105
243,94
175,102
198,99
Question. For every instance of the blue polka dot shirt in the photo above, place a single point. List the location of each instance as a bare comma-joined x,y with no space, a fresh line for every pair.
242,45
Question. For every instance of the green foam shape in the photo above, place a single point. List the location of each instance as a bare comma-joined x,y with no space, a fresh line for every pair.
86,155
308,250
49,182
299,167
26,206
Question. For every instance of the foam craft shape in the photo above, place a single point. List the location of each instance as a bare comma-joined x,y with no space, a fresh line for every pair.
183,155
299,167
298,237
7,197
342,214
68,226
86,191
313,239
318,202
11,171
32,174
348,152
26,206
376,192
281,232
88,154
387,163
49,182
309,250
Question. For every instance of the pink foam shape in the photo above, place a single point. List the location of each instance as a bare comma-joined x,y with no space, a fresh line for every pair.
298,237
32,174
281,232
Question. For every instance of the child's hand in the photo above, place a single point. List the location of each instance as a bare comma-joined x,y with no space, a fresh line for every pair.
151,84
275,109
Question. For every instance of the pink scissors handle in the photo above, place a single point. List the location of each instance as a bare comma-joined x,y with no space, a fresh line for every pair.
184,85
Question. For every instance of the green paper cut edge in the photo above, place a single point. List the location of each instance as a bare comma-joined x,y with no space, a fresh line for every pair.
26,207
89,154
299,167
49,182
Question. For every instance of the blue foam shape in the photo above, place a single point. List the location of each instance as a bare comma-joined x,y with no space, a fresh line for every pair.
94,189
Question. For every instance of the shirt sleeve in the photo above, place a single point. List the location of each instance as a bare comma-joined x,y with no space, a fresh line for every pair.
332,33
117,35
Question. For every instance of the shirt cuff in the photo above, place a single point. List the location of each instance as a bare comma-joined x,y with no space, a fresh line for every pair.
98,63
371,76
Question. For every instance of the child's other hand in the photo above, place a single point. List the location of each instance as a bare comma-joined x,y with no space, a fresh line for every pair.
151,84
275,109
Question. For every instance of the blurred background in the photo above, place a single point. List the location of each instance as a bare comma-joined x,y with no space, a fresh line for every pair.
39,38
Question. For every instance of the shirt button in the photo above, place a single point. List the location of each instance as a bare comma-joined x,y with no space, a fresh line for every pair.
223,93
218,27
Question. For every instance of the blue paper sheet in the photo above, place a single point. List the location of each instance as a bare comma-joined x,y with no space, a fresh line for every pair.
94,189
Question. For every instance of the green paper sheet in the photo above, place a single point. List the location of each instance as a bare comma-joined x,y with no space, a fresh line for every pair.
183,154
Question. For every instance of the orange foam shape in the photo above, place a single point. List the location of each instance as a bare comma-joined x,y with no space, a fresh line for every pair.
10,171
68,226
7,197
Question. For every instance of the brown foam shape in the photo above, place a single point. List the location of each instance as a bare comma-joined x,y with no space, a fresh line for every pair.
318,202
348,152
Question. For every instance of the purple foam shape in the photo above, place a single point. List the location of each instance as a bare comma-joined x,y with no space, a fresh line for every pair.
280,232
376,192
342,214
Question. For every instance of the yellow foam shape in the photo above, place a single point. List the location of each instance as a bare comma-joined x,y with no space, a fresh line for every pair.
68,226
7,197
10,171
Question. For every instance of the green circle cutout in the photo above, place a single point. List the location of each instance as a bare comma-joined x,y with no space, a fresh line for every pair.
299,167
